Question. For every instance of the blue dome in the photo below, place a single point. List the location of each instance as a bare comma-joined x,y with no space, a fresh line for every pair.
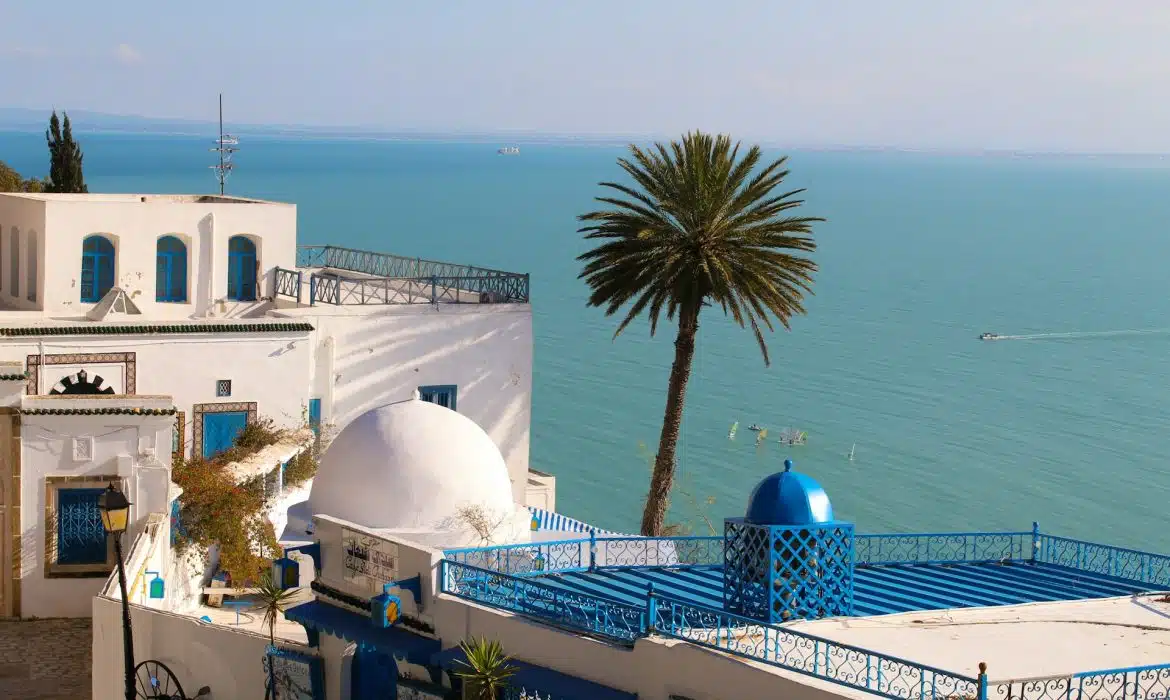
789,498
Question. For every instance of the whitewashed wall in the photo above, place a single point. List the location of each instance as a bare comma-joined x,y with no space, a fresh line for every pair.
200,654
20,219
370,356
134,223
271,369
47,450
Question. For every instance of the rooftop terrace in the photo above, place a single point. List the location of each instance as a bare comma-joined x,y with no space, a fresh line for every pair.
347,277
926,610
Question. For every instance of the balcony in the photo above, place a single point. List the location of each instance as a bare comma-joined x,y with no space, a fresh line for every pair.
347,277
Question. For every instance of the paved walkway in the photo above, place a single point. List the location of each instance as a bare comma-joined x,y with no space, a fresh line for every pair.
45,659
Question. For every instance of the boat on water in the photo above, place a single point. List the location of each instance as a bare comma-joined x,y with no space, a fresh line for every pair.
756,428
734,428
509,151
988,336
792,436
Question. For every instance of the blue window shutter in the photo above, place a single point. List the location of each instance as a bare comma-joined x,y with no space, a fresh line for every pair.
97,268
220,431
171,270
81,539
315,415
241,269
445,395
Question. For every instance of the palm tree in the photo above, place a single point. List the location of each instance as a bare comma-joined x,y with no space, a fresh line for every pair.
272,600
699,226
488,669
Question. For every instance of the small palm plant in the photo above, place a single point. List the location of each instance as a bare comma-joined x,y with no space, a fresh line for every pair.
488,669
272,600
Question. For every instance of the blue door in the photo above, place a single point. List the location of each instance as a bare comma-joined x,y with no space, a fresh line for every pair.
220,431
373,676
315,415
241,269
97,268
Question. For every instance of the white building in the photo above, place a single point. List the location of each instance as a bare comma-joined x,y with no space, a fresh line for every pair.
137,326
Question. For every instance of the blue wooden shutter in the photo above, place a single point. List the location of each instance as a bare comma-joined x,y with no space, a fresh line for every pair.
81,539
315,415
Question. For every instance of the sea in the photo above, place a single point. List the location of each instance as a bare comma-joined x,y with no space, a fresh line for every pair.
1066,422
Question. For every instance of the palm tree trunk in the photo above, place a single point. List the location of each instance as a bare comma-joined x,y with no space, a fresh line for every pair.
662,479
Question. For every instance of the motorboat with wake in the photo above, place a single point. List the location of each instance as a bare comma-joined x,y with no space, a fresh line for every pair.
988,336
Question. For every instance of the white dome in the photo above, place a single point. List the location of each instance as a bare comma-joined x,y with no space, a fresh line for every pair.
410,465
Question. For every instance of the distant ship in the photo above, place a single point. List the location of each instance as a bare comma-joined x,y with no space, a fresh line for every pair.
988,336
509,151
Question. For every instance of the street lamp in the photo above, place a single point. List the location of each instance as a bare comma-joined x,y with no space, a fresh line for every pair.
115,512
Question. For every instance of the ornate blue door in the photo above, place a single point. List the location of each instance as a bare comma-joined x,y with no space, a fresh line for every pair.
373,676
220,431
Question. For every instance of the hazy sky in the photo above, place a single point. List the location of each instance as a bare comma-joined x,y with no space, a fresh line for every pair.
1035,74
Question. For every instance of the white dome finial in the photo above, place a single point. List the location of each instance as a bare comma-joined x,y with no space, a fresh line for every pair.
415,396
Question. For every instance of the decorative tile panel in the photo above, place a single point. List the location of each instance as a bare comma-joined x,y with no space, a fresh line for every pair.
126,359
201,409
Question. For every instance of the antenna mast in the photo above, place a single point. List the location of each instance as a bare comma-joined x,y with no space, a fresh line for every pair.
225,146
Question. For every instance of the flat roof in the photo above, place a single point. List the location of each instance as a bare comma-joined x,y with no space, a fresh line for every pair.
132,198
1017,641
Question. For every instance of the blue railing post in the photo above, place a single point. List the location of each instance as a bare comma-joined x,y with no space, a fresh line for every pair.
300,280
593,550
982,692
1035,539
312,289
651,609
434,288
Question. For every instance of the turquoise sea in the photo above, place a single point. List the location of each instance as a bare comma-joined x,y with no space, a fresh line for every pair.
920,254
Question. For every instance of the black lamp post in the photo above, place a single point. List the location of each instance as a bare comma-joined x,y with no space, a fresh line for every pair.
115,511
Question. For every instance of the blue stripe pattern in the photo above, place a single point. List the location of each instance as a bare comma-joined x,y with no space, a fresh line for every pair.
555,521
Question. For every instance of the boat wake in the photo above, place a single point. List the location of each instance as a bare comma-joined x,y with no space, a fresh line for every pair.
1083,334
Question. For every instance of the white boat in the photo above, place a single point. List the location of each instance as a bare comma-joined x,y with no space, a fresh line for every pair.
509,151
731,433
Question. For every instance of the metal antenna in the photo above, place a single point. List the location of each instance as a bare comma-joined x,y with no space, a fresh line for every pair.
225,146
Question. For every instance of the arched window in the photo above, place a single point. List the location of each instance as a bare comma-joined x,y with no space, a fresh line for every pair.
97,268
171,270
241,269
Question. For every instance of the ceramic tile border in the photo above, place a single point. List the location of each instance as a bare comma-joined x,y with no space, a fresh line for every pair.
200,409
126,359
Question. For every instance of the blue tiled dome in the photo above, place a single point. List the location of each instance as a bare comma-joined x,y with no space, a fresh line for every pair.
789,498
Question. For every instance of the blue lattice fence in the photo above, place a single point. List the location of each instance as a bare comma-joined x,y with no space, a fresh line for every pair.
846,665
775,573
526,559
943,548
1118,562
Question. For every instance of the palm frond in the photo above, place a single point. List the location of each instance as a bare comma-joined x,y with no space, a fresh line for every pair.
487,668
700,222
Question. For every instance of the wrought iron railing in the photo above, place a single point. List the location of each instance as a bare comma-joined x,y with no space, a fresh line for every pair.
942,548
818,657
1136,683
288,283
587,554
526,559
581,612
1117,562
393,279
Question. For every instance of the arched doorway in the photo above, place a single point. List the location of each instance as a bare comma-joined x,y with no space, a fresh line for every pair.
373,675
97,268
241,269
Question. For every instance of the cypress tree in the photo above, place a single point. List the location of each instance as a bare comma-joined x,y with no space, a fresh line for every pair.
64,158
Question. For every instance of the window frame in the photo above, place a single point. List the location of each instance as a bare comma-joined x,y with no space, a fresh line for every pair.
96,297
53,568
176,267
437,389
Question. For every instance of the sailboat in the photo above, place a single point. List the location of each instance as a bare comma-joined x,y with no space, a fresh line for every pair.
851,449
761,436
731,433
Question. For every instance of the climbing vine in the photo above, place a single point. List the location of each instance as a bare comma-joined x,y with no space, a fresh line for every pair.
216,510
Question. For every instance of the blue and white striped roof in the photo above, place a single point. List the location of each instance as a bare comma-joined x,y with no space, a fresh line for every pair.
549,520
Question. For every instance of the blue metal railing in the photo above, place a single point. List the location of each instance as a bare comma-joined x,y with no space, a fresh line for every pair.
393,279
1135,683
288,283
581,612
1117,562
942,548
808,654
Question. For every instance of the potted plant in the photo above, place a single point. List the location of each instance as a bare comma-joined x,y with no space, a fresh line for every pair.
487,669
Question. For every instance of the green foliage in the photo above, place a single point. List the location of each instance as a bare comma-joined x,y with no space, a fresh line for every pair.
272,600
11,181
488,669
65,158
300,469
700,225
215,510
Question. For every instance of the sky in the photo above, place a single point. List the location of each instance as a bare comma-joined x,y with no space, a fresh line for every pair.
1060,75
